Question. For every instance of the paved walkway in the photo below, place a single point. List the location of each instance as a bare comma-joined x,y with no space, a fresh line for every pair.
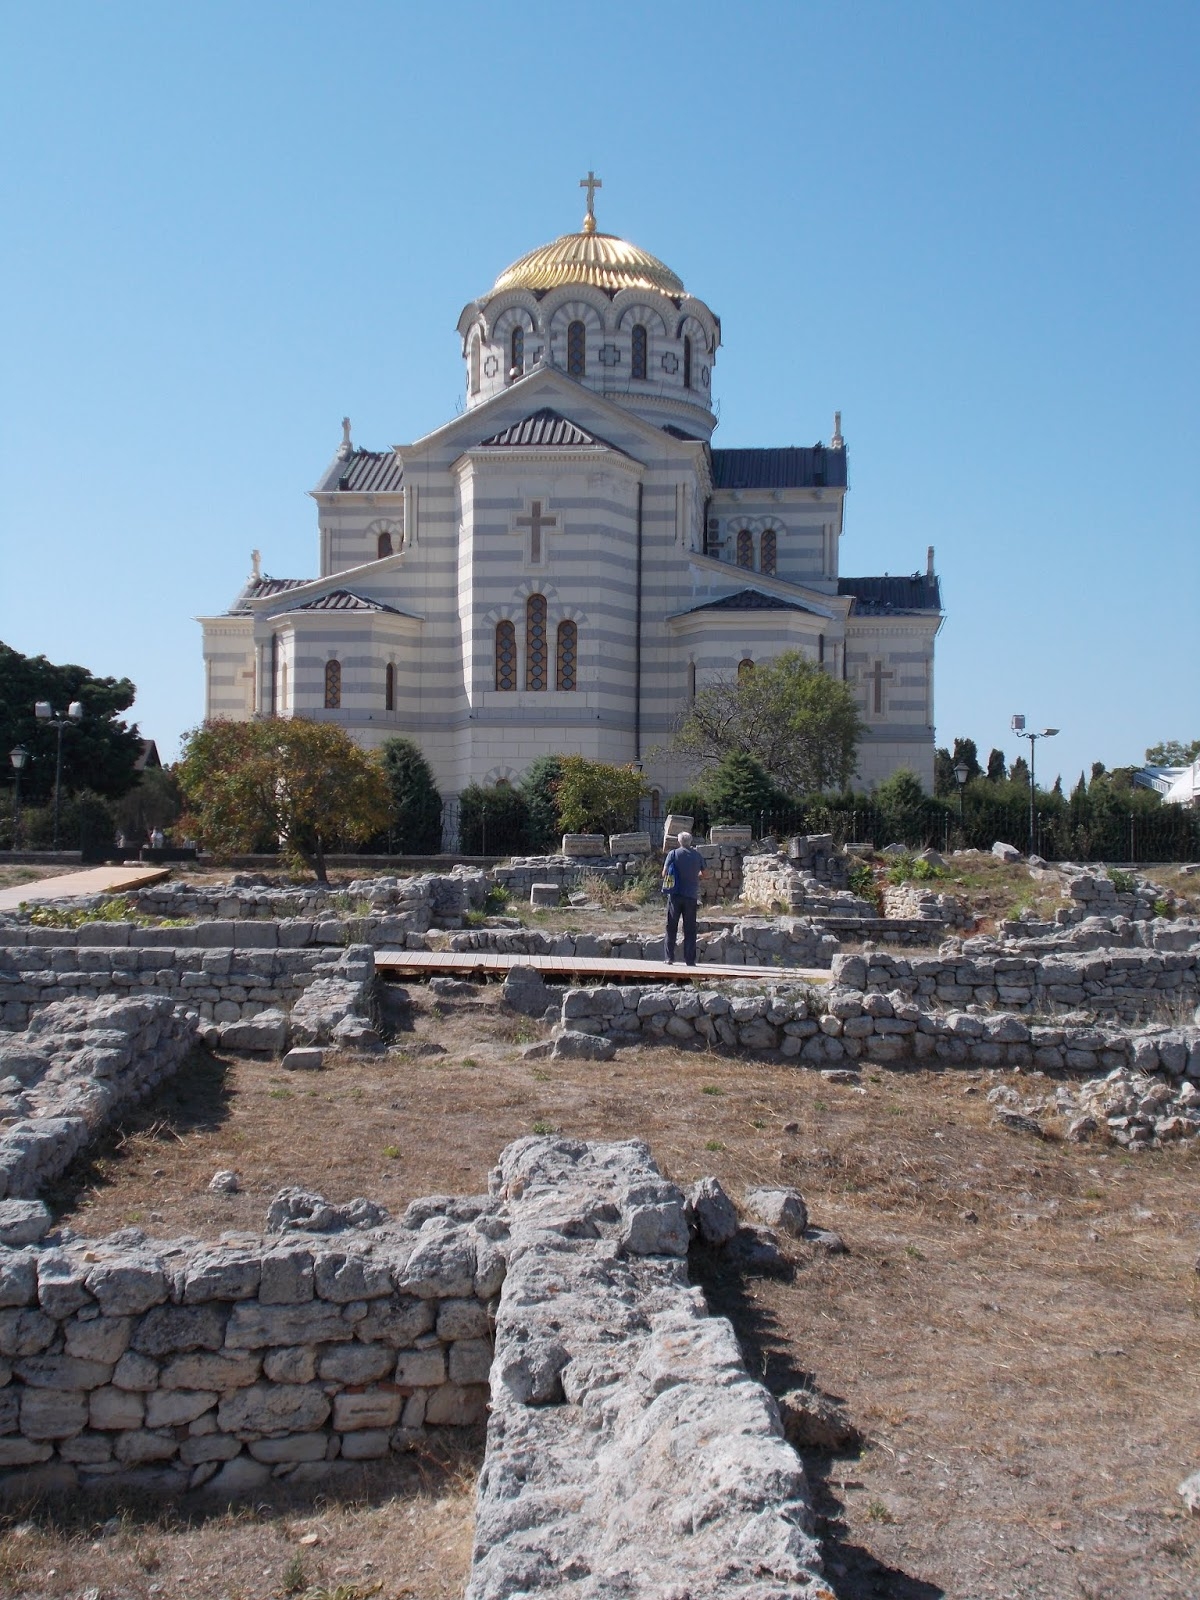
434,963
93,880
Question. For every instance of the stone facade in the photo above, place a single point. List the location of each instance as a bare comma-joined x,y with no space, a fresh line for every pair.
556,569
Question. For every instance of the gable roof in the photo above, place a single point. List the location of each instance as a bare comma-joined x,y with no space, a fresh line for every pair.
262,589
752,600
787,468
345,600
546,429
876,597
364,472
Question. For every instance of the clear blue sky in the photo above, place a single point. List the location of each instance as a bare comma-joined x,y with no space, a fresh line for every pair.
972,228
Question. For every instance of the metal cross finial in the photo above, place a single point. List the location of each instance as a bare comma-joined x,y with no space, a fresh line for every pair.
591,183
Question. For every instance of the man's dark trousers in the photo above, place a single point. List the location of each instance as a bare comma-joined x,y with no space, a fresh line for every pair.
684,906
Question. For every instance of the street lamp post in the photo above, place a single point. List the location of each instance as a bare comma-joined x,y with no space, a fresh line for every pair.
45,713
18,756
1018,727
961,773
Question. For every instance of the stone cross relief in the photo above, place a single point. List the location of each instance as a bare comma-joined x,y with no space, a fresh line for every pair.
535,522
875,678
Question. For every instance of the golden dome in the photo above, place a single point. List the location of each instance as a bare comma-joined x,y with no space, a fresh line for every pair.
600,259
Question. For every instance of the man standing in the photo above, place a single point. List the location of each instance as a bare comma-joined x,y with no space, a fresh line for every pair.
682,871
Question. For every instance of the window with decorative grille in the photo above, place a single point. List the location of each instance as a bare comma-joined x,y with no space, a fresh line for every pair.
535,642
687,362
576,350
766,551
516,351
389,687
691,682
745,548
568,656
333,685
639,352
655,804
384,546
745,667
506,656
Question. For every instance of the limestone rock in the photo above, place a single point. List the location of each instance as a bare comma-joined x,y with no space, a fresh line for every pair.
811,1422
1189,1490
710,1213
24,1221
525,990
571,1045
304,1058
264,1034
300,1210
779,1208
224,1182
1017,1122
1005,852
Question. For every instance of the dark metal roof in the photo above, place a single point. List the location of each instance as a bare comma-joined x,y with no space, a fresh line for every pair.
678,433
544,429
876,597
261,588
364,472
343,600
752,600
788,468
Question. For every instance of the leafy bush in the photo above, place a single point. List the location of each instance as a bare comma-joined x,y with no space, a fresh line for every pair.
415,807
492,820
595,797
862,882
1122,882
690,803
539,784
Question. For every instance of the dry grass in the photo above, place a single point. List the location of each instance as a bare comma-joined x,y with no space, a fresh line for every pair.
400,1530
13,877
1026,1379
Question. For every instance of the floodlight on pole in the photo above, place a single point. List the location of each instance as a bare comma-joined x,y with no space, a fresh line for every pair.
18,756
44,712
1018,727
961,773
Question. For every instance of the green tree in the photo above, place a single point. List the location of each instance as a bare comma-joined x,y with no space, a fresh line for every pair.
594,797
539,784
1019,773
966,752
98,753
414,825
493,820
740,790
997,769
799,724
155,801
944,781
1172,753
307,784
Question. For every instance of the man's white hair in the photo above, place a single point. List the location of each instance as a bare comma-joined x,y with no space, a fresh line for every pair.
685,839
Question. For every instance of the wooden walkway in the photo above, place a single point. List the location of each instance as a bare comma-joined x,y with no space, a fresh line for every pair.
93,880
608,969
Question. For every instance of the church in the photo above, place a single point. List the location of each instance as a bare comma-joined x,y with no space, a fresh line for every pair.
561,566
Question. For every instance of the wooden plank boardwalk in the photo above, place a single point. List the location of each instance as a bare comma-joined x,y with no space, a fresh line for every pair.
93,880
608,969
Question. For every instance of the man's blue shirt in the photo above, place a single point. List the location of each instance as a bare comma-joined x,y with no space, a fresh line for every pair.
688,864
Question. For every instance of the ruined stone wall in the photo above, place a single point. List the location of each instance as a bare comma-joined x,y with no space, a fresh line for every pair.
167,1364
222,983
429,899
77,1066
1129,985
751,942
842,1026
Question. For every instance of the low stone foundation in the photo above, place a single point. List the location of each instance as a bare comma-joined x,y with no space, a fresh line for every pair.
751,942
77,1066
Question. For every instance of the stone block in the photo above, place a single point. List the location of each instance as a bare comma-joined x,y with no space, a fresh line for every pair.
304,1058
18,1277
366,1444
584,845
173,1330
24,1333
294,1364
459,1319
167,1408
53,1413
543,895
287,1277
255,1327
125,1287
23,1222
372,1408
356,1363
470,1361
735,834
264,1034
782,1208
572,1045
62,1372
221,1370
274,1408
629,844
242,1475
300,1447
421,1369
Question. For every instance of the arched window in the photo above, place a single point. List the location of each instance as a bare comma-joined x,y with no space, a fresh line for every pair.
766,551
745,668
639,355
283,699
333,685
502,783
475,365
535,642
567,660
820,649
389,687
516,352
687,362
385,544
745,548
506,656
576,350
655,804
691,682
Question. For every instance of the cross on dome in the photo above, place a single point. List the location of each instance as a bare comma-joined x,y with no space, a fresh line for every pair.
591,183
